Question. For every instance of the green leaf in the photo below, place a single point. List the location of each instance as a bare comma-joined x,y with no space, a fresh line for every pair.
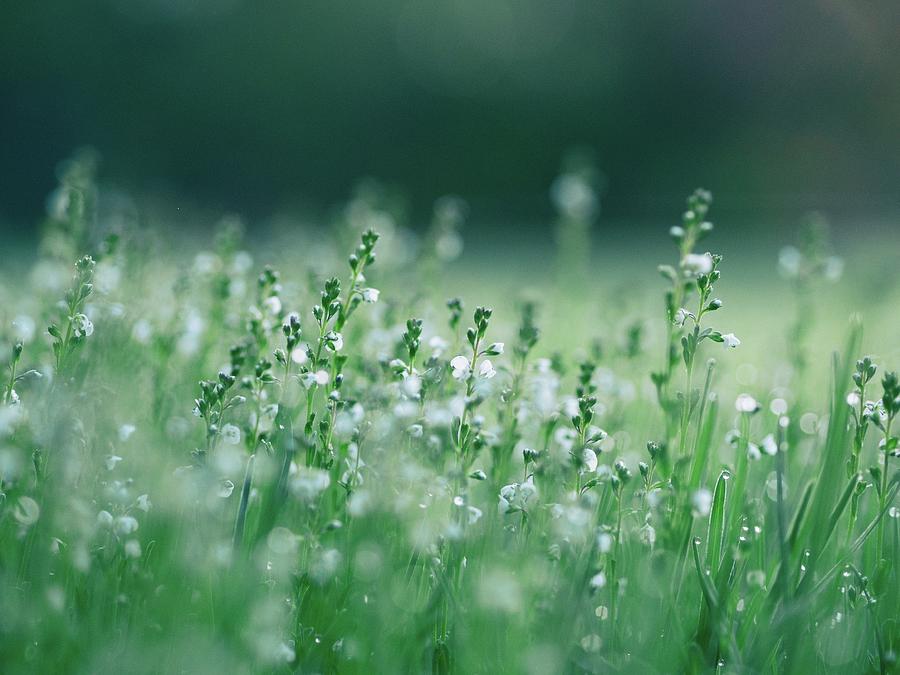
709,592
716,530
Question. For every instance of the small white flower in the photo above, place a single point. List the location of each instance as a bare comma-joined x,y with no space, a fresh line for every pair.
273,304
834,268
133,548
753,451
142,331
411,385
701,500
486,369
334,341
496,348
769,445
370,295
647,535
745,403
604,542
789,261
853,399
589,459
681,316
226,487
27,511
320,378
144,503
111,461
125,525
82,326
598,580
299,355
730,340
697,263
125,432
24,328
460,366
474,514
438,345
503,504
231,434
104,519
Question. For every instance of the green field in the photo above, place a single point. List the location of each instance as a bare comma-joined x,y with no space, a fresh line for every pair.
355,448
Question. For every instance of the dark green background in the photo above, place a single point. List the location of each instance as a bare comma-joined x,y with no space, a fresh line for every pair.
778,107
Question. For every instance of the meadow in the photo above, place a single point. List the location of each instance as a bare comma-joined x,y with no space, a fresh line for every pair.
356,448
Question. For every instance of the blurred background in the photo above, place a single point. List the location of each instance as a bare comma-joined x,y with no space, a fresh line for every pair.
778,108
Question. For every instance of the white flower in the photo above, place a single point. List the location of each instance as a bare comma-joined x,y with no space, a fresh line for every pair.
125,432
496,348
702,502
730,340
411,385
111,461
320,377
27,511
226,487
745,403
273,304
681,316
24,327
82,326
515,497
133,548
144,503
486,369
789,261
589,459
125,525
104,519
370,295
142,331
604,542
299,355
438,345
598,580
474,514
647,535
769,445
460,366
697,263
334,341
574,197
753,451
834,268
853,399
308,483
231,434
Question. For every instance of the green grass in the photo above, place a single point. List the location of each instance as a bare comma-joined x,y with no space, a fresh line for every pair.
620,489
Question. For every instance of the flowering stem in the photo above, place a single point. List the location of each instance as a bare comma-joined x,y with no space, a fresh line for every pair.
882,500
